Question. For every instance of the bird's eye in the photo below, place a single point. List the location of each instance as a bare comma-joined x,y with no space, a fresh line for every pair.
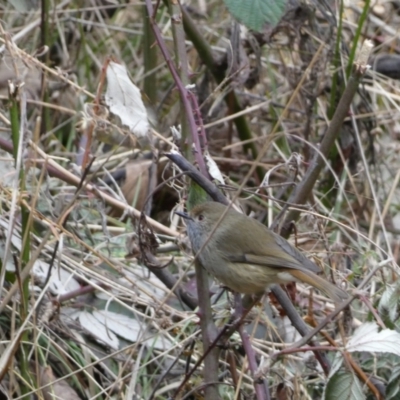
200,217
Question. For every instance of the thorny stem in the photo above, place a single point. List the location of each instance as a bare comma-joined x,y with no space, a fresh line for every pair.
199,121
182,89
205,53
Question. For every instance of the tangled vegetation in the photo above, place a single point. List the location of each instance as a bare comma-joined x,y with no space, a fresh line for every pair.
113,115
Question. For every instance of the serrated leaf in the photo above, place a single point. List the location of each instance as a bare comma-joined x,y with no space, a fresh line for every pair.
367,338
344,386
336,364
254,14
125,101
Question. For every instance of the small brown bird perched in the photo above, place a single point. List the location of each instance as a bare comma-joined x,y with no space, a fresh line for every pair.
246,256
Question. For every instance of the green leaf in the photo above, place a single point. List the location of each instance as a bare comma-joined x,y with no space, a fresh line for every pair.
393,388
389,302
254,14
344,386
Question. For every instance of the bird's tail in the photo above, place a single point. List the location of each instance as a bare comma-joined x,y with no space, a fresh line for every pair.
335,293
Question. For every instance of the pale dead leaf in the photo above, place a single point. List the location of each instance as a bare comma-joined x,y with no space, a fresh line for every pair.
213,169
98,330
368,338
125,101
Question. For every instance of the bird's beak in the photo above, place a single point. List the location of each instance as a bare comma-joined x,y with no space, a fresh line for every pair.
183,215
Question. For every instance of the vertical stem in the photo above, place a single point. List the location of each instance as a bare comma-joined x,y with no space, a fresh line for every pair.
209,333
149,59
182,90
17,117
208,328
336,60
181,65
261,389
303,190
45,43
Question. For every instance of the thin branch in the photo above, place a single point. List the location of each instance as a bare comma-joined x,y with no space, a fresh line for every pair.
261,388
300,325
303,190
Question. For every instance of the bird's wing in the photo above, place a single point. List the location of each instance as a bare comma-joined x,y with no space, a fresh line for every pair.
265,248
265,260
296,254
